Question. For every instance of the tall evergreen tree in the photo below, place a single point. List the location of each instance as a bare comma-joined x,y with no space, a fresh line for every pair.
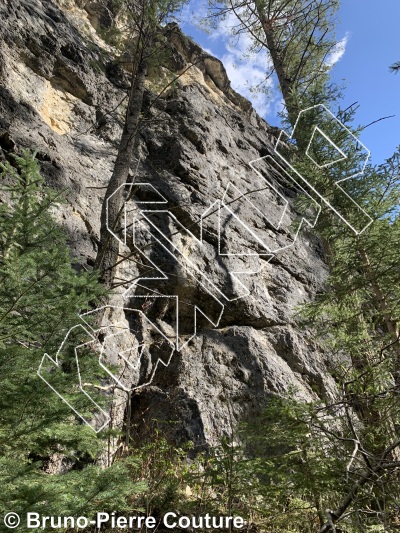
47,461
358,314
299,37
144,20
358,317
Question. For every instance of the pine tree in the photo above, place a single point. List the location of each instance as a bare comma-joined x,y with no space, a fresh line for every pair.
144,20
41,295
357,318
395,67
298,36
358,315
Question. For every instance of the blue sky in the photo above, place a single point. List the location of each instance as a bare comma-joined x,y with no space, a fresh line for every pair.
369,35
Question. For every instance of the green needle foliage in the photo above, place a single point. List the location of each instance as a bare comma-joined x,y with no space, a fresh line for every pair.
47,461
298,36
297,466
357,318
354,446
395,67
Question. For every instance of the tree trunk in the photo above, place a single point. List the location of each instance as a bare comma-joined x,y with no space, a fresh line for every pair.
108,251
380,299
279,66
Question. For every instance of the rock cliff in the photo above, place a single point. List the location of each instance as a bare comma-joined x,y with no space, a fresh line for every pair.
61,88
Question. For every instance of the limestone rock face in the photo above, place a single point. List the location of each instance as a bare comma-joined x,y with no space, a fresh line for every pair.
60,90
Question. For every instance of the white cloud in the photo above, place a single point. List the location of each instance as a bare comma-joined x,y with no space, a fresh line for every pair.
245,69
337,51
192,12
244,76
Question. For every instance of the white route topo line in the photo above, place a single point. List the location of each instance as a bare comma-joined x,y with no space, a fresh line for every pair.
170,247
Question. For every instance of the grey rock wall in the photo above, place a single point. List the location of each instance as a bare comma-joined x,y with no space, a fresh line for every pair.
60,87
